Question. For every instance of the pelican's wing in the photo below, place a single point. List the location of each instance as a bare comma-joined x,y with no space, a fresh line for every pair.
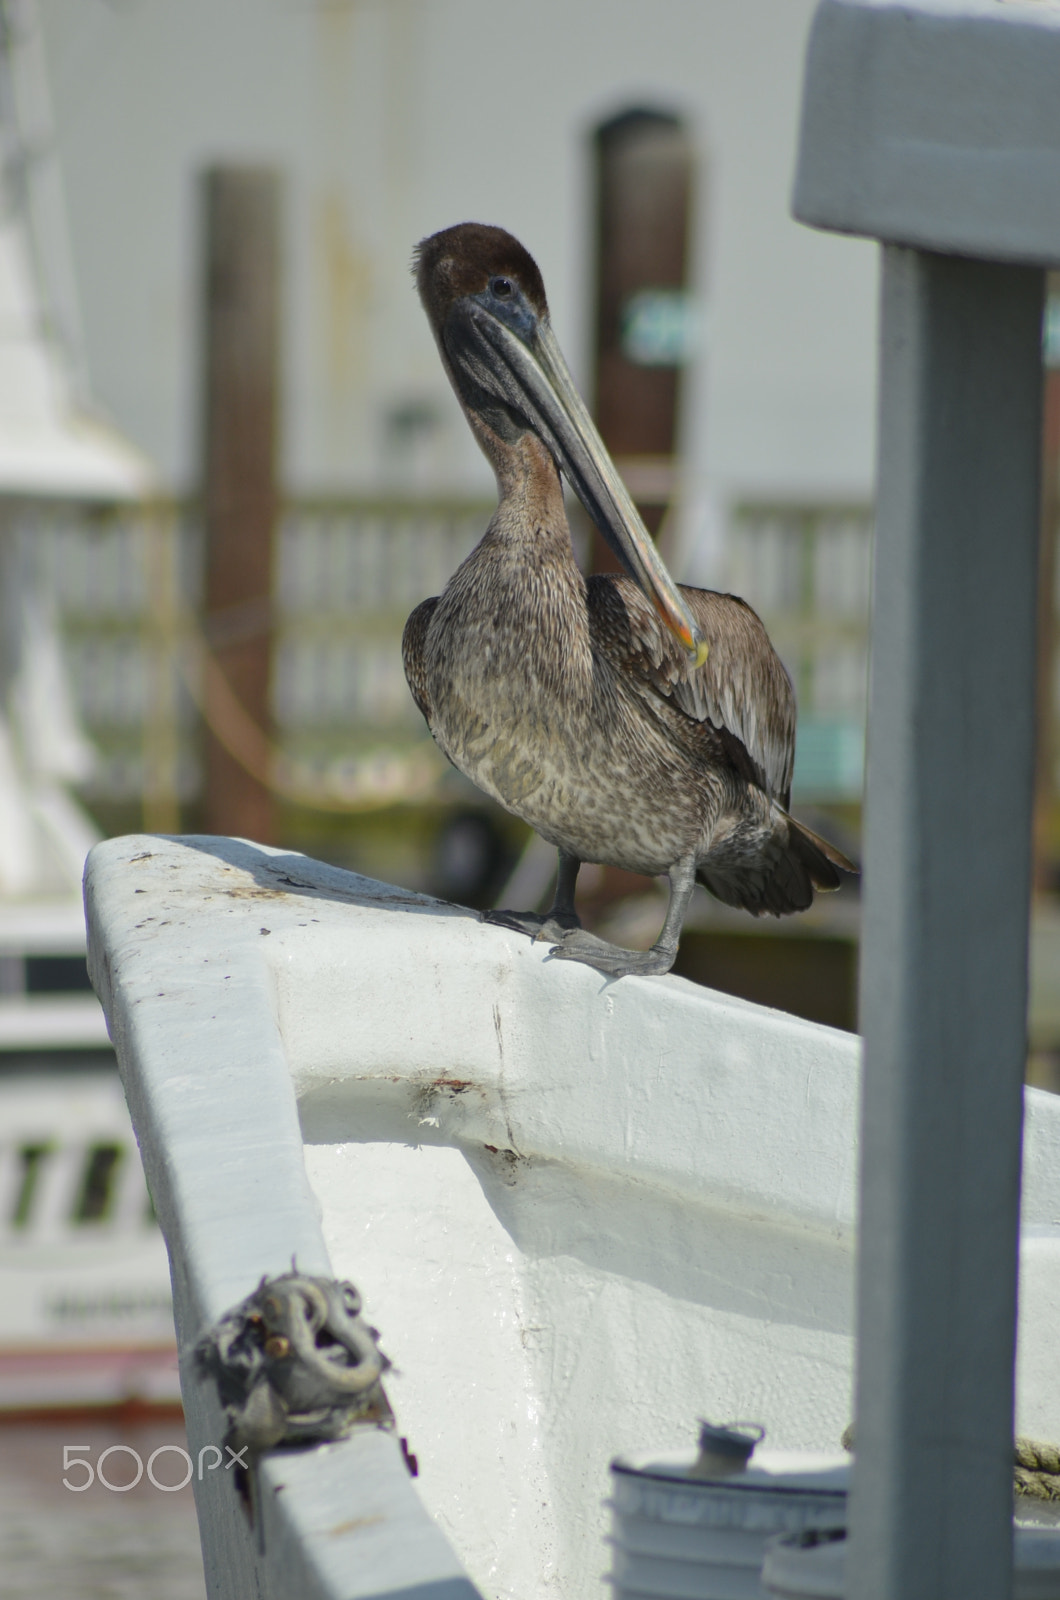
413,653
742,689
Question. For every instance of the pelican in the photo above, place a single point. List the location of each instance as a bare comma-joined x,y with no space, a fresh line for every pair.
629,721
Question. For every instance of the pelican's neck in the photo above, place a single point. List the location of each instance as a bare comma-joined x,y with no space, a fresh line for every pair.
518,603
531,514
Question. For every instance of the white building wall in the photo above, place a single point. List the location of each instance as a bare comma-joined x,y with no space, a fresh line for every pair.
392,118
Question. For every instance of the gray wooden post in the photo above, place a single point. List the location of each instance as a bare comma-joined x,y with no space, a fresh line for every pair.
947,869
934,127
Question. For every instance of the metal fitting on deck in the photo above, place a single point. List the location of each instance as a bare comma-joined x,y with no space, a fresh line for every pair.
295,1362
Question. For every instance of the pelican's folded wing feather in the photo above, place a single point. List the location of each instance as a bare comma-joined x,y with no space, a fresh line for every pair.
742,689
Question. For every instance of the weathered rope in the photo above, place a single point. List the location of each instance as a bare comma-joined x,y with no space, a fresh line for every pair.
1037,1472
295,1362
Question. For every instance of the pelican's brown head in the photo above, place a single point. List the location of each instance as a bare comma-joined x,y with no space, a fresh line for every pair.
464,260
485,300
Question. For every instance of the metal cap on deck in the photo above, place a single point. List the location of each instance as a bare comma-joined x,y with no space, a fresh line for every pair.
935,123
725,1448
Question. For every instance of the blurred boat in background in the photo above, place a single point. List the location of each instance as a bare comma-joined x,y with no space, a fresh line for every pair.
85,1318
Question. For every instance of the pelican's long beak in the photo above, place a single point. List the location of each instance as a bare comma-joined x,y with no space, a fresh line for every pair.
536,381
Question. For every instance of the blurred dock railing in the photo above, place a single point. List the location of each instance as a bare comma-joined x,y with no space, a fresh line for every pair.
807,571
127,583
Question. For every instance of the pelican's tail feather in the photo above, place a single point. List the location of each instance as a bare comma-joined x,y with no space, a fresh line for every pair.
775,869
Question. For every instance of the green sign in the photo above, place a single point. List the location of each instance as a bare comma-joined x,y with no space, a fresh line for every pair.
660,328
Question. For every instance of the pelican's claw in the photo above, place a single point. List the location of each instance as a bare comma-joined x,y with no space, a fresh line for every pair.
613,959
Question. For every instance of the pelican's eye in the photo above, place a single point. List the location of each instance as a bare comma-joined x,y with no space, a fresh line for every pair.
502,288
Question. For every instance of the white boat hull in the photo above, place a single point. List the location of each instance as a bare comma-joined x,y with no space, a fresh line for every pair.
582,1213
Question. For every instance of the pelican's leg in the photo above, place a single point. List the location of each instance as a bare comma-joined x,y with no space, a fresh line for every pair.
560,919
619,963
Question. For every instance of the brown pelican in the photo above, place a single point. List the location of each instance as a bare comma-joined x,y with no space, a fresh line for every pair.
627,720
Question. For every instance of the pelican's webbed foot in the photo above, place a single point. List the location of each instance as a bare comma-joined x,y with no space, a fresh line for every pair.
561,917
617,962
614,959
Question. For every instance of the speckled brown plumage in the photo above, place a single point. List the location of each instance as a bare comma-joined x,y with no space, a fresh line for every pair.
571,701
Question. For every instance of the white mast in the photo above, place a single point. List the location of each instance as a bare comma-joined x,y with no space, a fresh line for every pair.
52,447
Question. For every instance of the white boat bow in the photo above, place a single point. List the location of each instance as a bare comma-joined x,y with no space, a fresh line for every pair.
582,1213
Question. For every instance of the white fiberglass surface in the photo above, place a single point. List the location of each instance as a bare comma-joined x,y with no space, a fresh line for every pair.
542,1319
1037,1392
